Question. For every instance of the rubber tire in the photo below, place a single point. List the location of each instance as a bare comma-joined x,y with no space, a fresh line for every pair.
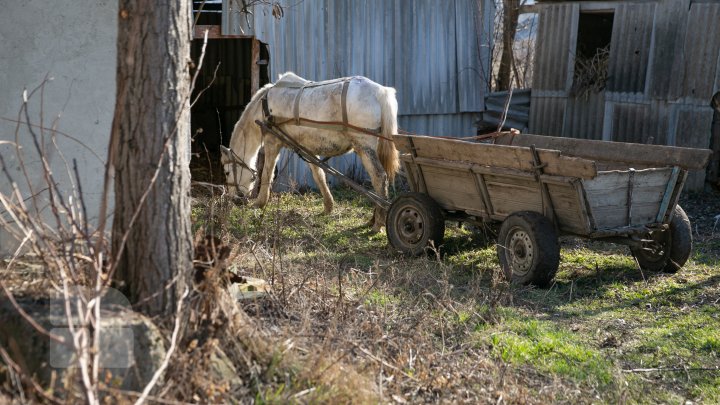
678,238
536,232
413,221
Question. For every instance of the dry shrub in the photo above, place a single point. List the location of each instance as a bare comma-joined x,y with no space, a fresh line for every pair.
591,73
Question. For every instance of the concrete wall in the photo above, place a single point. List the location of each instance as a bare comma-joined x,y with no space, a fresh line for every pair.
72,41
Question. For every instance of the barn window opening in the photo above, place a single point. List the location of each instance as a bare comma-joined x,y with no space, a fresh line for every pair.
207,12
592,53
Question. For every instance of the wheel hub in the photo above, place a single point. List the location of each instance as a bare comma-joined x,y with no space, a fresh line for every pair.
521,251
410,225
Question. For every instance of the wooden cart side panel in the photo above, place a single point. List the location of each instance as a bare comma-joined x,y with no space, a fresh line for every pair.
509,194
614,195
632,154
411,172
682,177
519,158
453,189
568,206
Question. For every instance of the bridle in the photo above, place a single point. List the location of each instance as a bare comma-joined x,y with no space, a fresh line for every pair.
236,161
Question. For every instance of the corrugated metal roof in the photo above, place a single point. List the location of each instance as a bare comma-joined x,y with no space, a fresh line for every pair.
517,114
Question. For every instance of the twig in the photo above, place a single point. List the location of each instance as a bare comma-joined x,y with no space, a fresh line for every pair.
670,369
385,363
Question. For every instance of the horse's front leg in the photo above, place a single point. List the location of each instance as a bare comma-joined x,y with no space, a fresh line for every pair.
319,176
379,180
272,150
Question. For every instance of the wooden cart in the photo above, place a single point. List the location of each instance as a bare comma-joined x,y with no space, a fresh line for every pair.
540,187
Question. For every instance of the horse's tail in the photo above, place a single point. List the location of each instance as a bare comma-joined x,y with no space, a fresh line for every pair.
388,154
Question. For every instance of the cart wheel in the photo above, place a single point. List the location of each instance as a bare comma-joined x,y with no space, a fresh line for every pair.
669,249
528,249
415,219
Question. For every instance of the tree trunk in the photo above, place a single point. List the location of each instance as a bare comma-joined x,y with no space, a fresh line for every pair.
149,151
511,10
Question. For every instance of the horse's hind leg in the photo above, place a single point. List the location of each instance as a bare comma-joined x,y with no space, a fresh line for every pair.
379,180
321,183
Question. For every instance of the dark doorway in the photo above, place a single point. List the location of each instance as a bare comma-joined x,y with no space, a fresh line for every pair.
222,90
592,53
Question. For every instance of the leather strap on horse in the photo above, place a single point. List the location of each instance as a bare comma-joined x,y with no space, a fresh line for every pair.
296,107
343,100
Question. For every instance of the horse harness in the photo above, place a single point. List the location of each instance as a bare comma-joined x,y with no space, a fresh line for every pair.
236,161
301,121
275,122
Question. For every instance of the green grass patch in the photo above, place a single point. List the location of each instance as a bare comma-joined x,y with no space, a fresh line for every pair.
522,340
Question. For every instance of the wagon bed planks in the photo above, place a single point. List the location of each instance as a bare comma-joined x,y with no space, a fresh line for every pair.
636,155
512,157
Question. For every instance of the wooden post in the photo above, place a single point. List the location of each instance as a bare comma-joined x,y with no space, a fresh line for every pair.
254,67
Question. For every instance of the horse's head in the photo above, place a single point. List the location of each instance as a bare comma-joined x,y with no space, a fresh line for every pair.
239,175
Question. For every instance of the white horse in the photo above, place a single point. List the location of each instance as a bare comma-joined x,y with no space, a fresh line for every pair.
329,119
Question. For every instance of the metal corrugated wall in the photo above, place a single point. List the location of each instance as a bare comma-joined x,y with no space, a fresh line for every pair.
664,67
429,51
689,71
701,51
558,25
633,24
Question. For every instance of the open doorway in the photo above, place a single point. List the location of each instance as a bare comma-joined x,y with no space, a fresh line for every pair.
222,90
592,53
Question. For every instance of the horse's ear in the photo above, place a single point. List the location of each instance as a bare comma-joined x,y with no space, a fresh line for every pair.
225,151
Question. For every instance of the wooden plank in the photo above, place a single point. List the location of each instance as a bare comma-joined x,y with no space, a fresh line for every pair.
482,187
667,196
476,168
254,67
512,157
587,218
676,196
509,195
609,196
410,174
214,32
452,189
567,206
606,151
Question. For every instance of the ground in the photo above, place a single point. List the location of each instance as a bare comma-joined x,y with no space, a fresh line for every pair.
351,321
447,328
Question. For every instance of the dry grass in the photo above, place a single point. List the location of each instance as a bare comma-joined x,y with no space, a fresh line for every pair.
349,321
591,73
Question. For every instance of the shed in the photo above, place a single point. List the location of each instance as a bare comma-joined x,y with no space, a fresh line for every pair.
656,67
436,54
